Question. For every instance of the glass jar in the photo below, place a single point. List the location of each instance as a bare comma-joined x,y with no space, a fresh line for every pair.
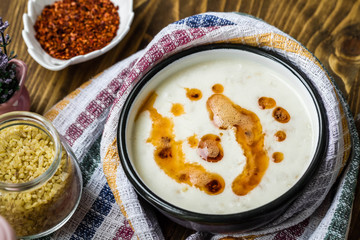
40,179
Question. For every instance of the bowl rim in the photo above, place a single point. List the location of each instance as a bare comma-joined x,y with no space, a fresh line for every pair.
287,197
55,64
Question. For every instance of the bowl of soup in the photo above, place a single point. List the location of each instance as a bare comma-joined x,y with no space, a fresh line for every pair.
222,137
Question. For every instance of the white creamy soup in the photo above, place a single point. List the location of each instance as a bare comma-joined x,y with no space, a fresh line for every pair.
222,131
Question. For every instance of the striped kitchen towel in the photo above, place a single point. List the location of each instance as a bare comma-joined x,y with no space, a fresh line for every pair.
110,208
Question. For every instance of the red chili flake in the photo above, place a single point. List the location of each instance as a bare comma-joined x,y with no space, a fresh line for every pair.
69,28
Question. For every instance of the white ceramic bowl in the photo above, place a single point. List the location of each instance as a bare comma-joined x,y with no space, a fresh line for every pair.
35,8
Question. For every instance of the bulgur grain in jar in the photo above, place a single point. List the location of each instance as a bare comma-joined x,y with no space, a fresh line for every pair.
40,180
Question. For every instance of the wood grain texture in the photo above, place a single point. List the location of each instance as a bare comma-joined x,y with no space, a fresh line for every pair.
328,28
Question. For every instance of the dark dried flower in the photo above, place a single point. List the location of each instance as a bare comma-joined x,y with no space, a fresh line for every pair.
3,25
7,40
3,61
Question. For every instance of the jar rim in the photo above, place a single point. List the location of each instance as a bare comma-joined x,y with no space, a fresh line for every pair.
6,119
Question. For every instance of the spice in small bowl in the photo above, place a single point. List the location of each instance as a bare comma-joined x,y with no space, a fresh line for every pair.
68,28
75,34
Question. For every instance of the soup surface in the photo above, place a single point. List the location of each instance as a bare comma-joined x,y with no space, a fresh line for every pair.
222,132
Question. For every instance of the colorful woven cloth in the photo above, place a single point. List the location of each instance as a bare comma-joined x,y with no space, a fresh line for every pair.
110,208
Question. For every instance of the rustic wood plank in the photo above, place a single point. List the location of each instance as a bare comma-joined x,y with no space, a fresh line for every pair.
216,5
166,13
189,8
232,6
297,7
246,6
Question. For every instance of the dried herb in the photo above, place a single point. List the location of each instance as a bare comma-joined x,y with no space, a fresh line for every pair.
70,28
8,82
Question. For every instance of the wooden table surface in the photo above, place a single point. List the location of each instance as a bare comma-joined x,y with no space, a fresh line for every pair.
328,28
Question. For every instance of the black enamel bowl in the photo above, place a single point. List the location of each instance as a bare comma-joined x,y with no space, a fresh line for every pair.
218,223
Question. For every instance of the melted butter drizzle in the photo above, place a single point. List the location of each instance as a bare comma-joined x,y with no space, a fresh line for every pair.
193,141
248,131
210,148
193,94
177,109
281,115
277,157
217,88
280,136
266,103
170,158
